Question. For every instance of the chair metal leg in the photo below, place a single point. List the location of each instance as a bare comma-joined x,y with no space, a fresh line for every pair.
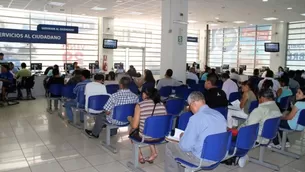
60,108
261,162
134,166
283,151
107,142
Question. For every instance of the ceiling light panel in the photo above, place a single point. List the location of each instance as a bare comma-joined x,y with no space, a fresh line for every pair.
270,18
58,4
239,22
192,21
96,8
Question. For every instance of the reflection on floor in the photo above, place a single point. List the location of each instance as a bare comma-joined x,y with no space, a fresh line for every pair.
33,140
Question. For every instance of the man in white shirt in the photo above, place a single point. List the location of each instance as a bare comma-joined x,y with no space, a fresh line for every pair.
234,75
192,75
269,76
228,86
168,80
95,88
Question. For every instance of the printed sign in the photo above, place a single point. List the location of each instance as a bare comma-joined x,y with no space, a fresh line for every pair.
57,28
180,40
192,39
28,36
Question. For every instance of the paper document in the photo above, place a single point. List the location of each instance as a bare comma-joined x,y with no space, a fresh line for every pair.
176,137
235,105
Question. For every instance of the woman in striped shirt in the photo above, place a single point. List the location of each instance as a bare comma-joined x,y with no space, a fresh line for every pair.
150,106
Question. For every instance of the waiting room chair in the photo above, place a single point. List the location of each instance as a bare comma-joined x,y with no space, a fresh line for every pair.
80,108
174,106
120,113
11,89
147,85
285,103
301,122
165,91
223,111
253,105
54,93
269,132
28,83
155,127
181,91
112,88
215,149
234,96
183,120
190,82
97,104
134,88
245,141
66,94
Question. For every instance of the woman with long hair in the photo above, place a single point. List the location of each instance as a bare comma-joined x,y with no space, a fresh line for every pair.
248,96
290,121
147,81
150,106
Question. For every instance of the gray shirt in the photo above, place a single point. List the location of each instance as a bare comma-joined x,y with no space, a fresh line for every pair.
293,84
168,82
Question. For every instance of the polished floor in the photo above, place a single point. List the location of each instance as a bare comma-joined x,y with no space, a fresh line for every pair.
31,140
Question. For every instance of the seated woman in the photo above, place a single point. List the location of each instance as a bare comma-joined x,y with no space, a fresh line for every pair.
290,121
110,79
147,81
247,97
284,91
150,106
55,79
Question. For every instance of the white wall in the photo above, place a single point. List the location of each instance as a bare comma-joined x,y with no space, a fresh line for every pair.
279,34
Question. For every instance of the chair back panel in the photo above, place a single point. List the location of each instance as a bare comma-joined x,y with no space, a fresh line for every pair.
55,89
253,105
81,98
97,102
183,120
247,136
121,112
165,91
67,91
112,88
270,128
174,106
301,120
157,126
223,111
234,96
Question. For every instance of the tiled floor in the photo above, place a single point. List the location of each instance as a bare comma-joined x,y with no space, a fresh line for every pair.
32,140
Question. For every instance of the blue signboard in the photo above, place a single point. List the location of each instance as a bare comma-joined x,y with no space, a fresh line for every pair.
28,36
192,39
57,28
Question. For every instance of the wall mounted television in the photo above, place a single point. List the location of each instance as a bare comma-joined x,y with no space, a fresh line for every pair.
272,47
110,43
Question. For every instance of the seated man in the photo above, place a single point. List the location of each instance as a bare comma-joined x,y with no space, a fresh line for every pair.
214,96
228,86
168,80
24,72
55,79
267,109
192,75
203,123
6,77
76,78
122,97
95,88
78,88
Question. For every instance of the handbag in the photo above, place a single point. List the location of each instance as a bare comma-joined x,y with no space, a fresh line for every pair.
136,131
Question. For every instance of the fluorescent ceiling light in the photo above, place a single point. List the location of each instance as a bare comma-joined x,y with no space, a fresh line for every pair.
213,24
135,13
251,24
98,8
58,4
282,21
270,18
289,8
217,18
265,0
303,14
192,21
239,22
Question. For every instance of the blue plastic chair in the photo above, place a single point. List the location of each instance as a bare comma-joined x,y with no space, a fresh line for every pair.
120,113
66,93
223,111
300,122
190,82
285,103
112,88
54,93
180,90
183,120
215,148
269,132
234,96
245,141
253,105
165,91
174,106
219,84
134,88
150,130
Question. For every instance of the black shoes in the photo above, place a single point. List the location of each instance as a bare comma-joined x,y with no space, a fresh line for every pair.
90,134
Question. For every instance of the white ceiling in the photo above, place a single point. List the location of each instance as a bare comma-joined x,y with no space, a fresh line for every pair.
203,11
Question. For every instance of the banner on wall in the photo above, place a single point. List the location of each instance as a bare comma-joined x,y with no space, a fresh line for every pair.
57,28
28,36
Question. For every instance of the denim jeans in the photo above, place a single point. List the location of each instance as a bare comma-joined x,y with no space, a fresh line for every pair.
69,111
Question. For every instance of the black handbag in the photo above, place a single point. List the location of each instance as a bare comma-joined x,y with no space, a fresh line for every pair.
136,131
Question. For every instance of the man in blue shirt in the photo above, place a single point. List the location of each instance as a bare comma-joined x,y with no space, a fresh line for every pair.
79,88
203,123
6,78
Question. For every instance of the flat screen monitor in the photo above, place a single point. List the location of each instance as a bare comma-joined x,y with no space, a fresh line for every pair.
272,47
3,63
198,66
218,70
117,65
244,67
110,43
36,66
225,67
68,66
93,66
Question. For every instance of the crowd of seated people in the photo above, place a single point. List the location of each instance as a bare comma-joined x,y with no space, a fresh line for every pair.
206,120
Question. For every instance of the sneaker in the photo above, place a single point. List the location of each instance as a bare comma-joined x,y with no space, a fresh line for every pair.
271,145
287,145
89,133
243,161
